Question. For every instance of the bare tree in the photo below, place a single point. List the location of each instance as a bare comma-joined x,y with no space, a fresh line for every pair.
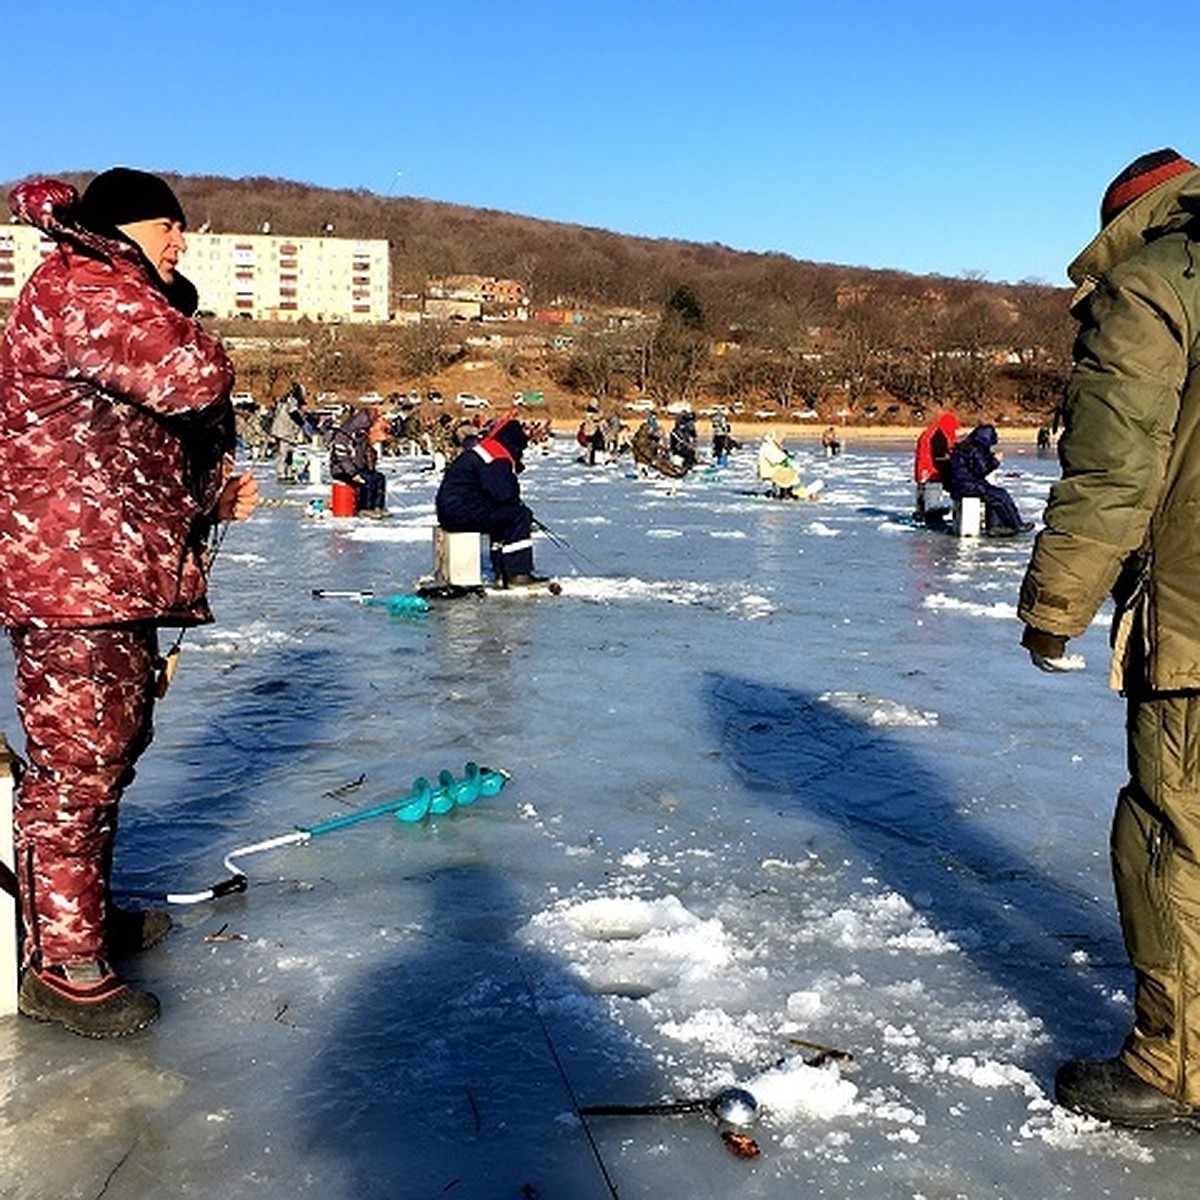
677,358
864,327
595,366
978,334
334,363
421,350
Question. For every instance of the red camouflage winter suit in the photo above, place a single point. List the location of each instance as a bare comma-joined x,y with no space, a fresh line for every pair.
115,422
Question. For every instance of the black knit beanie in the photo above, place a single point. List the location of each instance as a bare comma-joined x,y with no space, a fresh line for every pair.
512,436
122,196
1138,178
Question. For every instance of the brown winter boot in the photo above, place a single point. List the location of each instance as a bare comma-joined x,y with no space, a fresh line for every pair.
87,999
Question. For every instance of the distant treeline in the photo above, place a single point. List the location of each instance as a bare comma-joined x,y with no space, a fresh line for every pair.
800,329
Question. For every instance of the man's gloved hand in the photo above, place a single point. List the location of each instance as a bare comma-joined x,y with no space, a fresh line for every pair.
1048,651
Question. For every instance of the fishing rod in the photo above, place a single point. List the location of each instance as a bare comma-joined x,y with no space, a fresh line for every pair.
424,800
561,542
168,663
731,1105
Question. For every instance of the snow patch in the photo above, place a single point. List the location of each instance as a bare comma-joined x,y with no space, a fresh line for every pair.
632,947
880,713
1000,611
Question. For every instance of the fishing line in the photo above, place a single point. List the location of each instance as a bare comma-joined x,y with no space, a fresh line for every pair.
168,663
562,1074
561,542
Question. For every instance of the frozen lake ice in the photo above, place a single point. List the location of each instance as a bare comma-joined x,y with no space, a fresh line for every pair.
781,778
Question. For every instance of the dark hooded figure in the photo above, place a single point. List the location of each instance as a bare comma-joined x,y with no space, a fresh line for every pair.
683,439
972,460
480,493
352,461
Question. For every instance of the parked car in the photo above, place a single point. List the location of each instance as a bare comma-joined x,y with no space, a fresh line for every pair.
470,400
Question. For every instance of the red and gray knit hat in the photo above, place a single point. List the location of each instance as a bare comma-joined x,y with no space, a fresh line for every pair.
1142,175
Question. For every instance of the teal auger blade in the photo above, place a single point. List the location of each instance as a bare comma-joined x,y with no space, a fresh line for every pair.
419,803
444,799
398,605
451,793
424,799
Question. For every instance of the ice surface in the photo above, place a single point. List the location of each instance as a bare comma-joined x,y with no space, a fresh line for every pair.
781,779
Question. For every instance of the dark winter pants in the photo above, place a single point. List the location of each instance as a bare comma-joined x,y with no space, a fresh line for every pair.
86,701
510,528
370,494
1156,871
1000,509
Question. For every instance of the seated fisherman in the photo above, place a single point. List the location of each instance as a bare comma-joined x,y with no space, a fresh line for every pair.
972,460
352,458
776,467
480,493
931,467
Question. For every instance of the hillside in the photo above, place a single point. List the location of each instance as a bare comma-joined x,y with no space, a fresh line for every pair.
762,330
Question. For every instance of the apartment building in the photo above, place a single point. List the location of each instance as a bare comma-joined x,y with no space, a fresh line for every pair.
21,249
259,276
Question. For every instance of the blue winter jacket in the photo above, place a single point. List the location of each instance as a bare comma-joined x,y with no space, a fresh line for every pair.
971,462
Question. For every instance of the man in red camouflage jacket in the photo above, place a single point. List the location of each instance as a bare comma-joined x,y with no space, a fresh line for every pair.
116,439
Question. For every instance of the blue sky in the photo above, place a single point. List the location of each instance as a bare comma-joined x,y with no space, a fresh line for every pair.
926,136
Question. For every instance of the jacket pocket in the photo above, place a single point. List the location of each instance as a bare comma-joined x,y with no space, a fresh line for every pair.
1141,858
1130,645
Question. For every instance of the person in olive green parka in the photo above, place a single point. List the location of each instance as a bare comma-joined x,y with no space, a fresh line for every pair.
1124,520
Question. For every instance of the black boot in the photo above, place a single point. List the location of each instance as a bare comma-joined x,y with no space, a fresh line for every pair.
87,999
1111,1091
131,930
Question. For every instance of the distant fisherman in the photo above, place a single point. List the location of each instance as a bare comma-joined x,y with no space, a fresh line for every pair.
722,437
353,459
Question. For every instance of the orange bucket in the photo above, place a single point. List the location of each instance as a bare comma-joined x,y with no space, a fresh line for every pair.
343,501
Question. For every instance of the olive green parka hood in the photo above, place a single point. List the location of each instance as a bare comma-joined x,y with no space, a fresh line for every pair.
1171,206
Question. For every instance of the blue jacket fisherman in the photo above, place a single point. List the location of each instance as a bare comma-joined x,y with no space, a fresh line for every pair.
480,493
972,460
